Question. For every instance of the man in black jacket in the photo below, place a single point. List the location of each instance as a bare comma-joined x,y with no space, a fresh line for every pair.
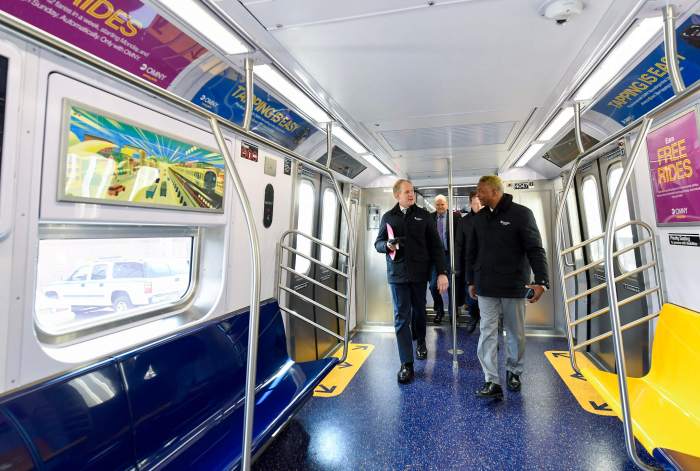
465,228
408,237
440,218
503,244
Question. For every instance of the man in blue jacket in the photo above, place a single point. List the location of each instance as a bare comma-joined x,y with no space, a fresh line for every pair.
503,245
408,237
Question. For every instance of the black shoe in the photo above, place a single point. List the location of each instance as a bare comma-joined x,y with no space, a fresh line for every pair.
421,351
405,373
471,324
490,390
512,381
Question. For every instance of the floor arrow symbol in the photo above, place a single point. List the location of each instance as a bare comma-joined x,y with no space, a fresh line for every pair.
560,354
344,364
360,347
323,389
578,376
603,406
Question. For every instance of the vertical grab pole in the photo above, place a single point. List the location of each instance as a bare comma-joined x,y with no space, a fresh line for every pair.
612,297
559,235
249,93
451,229
253,323
351,241
671,51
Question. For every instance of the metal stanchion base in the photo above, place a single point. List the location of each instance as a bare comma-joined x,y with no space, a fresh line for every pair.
459,351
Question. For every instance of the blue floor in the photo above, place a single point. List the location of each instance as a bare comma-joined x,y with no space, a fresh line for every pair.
436,422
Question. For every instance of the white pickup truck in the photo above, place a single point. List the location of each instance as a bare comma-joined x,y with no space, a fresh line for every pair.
121,284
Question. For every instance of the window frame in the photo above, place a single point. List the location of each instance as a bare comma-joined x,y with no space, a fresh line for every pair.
325,252
586,213
116,321
621,263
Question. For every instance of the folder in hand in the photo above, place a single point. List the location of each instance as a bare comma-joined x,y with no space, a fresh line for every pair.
390,234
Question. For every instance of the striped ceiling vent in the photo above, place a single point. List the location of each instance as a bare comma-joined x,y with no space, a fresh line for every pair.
465,135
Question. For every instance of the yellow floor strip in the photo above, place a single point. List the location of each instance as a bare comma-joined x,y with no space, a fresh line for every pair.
340,376
587,397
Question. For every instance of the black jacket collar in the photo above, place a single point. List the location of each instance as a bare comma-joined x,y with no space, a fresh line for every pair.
397,209
503,205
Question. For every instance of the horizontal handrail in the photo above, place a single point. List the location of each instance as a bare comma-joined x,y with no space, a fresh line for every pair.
600,260
315,260
316,282
595,238
600,312
314,239
315,303
617,278
623,328
309,321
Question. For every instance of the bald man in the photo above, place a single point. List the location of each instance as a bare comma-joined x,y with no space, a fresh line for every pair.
441,218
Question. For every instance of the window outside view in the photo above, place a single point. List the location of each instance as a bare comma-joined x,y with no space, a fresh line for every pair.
81,281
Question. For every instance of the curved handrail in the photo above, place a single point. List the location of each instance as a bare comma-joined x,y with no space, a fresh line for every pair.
612,298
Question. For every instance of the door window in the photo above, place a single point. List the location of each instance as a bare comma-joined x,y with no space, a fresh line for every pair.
623,237
329,224
305,224
99,272
574,226
592,216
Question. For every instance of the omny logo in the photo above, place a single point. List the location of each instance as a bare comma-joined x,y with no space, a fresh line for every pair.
152,72
505,223
417,219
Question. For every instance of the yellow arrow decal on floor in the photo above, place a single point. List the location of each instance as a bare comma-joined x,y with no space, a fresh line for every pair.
340,376
587,397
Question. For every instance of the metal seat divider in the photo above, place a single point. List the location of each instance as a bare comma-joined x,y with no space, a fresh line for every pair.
282,268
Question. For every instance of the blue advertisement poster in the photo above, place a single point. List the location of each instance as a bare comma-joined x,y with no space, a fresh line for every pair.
648,85
224,95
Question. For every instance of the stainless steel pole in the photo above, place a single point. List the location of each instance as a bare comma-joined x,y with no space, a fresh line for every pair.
612,297
249,93
453,288
671,50
254,321
329,145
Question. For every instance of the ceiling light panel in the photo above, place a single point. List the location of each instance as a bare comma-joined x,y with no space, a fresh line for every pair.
531,151
560,120
291,93
351,142
376,163
466,135
205,23
621,54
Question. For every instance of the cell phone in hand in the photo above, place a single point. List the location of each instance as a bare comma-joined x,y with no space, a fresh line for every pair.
530,293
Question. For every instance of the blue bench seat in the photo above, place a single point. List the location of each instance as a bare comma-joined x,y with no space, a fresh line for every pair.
175,403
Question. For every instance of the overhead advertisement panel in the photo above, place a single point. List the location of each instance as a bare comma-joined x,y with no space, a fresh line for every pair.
224,94
131,35
648,84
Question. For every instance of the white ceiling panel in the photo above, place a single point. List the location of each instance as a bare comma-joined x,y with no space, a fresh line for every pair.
457,74
447,137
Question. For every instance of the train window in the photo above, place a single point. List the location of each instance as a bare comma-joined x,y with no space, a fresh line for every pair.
329,223
84,282
623,237
305,224
574,225
592,215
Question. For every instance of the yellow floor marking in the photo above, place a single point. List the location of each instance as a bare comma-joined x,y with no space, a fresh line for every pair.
587,397
340,376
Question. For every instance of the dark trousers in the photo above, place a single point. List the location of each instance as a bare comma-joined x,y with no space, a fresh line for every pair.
409,313
438,304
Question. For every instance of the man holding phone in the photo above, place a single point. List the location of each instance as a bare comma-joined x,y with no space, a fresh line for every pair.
503,244
409,238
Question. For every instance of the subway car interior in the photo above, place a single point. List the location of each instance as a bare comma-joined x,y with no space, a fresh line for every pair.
196,258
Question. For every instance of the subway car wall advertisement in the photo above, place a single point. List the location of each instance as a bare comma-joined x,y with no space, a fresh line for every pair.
674,163
127,33
107,160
